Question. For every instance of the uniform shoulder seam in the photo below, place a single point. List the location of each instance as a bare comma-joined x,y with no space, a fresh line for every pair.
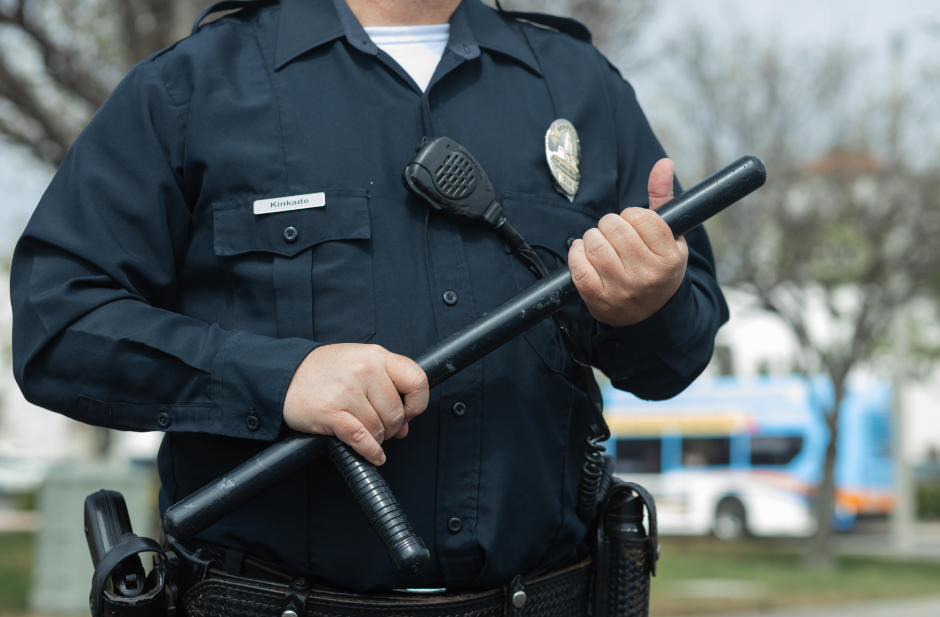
236,6
216,24
553,23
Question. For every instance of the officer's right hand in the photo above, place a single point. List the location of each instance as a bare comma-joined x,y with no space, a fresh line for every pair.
352,391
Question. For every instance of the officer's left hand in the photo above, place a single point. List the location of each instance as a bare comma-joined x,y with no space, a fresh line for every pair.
629,266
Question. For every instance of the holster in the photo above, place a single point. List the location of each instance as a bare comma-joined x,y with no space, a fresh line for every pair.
624,562
158,596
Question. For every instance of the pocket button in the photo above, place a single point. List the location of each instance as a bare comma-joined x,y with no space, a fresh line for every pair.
291,234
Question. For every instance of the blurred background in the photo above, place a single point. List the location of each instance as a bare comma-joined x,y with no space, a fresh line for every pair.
803,469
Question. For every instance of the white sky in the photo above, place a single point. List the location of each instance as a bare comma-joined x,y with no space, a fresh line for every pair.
867,25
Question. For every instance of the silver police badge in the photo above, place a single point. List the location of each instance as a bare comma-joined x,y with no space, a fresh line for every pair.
563,153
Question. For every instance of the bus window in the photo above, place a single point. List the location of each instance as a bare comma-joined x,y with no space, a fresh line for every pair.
706,451
776,451
639,455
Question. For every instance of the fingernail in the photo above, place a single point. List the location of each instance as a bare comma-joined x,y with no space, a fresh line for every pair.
382,459
576,243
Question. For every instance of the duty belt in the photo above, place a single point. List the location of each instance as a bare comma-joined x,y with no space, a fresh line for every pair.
609,578
563,593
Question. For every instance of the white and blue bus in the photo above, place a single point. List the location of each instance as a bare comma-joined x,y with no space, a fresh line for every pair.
734,456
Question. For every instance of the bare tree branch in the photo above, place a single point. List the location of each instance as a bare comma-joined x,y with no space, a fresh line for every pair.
83,47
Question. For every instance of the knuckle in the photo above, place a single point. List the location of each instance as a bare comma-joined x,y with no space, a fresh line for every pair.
598,255
360,366
643,218
359,435
396,416
632,214
346,389
373,423
674,261
580,272
421,381
347,427
650,277
611,225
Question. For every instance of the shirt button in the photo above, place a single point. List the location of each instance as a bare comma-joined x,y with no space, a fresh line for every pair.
612,344
290,234
163,420
466,49
252,423
570,242
454,525
459,409
450,298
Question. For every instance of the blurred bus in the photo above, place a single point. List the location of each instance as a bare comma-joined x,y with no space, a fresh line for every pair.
734,456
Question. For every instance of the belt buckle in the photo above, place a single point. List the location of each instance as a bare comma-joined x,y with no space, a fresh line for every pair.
422,591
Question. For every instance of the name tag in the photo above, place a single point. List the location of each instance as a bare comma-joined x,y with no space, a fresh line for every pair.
294,202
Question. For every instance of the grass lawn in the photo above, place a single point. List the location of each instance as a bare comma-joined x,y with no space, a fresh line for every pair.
704,575
16,566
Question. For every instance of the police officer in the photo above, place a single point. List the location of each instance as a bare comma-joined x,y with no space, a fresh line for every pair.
227,251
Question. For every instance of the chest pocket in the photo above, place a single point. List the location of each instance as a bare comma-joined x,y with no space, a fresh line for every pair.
301,273
547,224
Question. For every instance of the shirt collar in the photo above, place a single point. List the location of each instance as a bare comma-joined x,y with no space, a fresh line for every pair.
492,31
306,24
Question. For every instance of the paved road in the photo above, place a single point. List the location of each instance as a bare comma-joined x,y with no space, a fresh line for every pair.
923,607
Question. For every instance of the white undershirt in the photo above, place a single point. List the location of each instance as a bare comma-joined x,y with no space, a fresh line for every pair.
417,49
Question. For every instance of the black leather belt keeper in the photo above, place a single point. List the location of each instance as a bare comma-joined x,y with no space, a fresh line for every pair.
563,593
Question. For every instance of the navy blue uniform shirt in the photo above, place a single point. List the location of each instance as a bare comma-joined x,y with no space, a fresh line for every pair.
148,296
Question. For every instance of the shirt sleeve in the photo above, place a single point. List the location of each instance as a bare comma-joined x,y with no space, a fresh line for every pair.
98,332
659,357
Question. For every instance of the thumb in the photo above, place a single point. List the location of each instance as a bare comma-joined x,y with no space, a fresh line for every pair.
660,185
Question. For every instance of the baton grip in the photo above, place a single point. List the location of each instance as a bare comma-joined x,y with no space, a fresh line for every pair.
385,515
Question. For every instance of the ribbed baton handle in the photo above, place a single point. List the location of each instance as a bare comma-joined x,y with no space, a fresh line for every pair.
385,515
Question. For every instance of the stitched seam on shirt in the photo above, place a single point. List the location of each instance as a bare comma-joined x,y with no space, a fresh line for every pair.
176,107
564,468
544,79
277,105
473,478
136,405
220,382
615,110
185,132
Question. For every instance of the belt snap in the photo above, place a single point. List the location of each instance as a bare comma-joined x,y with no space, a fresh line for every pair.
517,596
292,605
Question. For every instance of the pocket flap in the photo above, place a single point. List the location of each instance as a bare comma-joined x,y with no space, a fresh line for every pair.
237,229
546,222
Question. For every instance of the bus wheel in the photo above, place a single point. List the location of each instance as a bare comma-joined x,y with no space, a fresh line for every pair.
730,520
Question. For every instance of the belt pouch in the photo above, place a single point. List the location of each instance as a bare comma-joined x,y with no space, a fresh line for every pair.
626,554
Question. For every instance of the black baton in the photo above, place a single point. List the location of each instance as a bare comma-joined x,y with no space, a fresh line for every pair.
493,329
